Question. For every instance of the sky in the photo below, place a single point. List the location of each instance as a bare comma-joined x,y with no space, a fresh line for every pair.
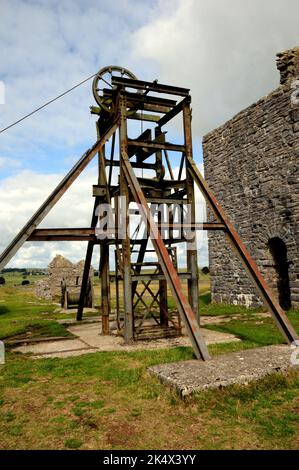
223,50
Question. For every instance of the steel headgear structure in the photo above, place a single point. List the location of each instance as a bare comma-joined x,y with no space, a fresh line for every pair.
121,98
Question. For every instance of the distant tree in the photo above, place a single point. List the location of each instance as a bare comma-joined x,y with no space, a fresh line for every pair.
96,273
205,270
25,282
2,281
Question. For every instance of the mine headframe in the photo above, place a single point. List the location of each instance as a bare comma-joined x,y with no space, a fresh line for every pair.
139,171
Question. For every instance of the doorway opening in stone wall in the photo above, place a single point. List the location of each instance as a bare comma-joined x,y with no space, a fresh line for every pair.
279,253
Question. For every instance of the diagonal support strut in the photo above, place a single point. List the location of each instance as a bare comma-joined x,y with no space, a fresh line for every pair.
54,197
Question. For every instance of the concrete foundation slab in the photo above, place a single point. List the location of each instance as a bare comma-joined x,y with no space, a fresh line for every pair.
50,347
88,339
223,370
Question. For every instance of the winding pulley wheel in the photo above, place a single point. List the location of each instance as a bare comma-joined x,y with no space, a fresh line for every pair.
103,79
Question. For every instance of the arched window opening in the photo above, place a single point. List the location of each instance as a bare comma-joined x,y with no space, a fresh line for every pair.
279,254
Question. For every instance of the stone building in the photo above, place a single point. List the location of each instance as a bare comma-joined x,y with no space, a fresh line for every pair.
62,274
251,166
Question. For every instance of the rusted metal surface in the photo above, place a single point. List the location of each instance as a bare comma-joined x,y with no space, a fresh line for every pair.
102,78
192,260
88,234
172,113
150,86
126,250
105,288
87,264
158,146
135,277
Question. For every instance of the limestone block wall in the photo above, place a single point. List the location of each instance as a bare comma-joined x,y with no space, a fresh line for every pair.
251,165
61,269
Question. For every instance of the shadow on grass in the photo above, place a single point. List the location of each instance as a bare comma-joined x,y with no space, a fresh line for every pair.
205,299
4,310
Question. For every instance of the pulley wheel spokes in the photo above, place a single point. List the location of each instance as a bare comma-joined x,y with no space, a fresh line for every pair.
103,79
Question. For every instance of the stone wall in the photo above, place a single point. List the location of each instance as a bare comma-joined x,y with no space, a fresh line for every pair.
61,269
251,166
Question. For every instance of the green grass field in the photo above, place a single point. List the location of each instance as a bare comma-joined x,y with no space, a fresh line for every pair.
107,400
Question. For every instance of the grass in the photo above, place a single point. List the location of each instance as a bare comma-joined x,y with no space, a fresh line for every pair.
209,309
261,331
107,400
22,313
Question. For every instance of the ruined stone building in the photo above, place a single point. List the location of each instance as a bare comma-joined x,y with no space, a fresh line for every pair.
64,278
251,166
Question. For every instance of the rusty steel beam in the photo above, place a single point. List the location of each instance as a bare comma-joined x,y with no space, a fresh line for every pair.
105,287
88,259
276,311
144,166
192,257
157,145
85,278
87,263
195,226
104,247
144,117
126,249
163,184
70,234
157,277
150,86
85,234
54,197
50,232
153,108
184,308
139,98
173,112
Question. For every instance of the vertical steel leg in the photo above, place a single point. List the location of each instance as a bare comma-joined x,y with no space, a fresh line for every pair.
117,287
105,288
126,251
192,259
87,264
104,250
85,278
162,283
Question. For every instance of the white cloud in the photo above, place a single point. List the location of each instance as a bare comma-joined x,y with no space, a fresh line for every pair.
47,47
223,50
23,193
